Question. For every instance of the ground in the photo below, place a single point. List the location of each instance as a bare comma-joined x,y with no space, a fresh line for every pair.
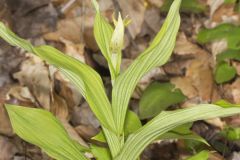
68,25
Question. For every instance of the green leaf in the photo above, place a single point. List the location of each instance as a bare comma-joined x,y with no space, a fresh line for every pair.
224,72
103,32
157,54
229,32
192,6
203,155
41,128
226,104
229,54
132,123
183,132
100,153
158,97
231,133
230,1
167,121
100,137
84,77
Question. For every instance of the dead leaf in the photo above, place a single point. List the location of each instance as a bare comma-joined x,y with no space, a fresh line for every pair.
218,47
35,74
217,122
225,14
8,149
157,3
67,90
69,29
73,134
86,131
34,17
59,107
84,116
5,126
184,46
21,93
135,9
201,76
153,22
74,50
214,5
185,84
235,91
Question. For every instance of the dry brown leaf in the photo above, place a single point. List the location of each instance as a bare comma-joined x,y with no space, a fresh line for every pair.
7,149
86,131
185,84
201,76
217,122
5,126
69,29
198,81
73,134
21,93
74,50
67,90
214,5
216,156
237,66
84,116
135,9
35,75
153,22
225,14
157,3
59,107
218,47
235,91
184,46
235,156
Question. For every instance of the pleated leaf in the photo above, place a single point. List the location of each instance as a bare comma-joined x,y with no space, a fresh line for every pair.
167,121
103,32
42,129
156,55
203,155
84,77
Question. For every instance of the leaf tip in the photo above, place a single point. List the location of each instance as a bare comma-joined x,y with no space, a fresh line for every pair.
96,5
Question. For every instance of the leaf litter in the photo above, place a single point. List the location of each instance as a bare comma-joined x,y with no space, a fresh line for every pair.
28,80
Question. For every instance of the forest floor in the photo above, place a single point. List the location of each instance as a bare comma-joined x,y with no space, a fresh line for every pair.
68,25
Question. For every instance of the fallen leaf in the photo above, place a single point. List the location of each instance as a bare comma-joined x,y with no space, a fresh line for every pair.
235,91
8,149
157,3
73,133
201,76
225,14
214,5
5,125
184,83
153,22
69,29
34,74
59,107
83,115
21,93
184,46
86,131
135,9
74,50
66,90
